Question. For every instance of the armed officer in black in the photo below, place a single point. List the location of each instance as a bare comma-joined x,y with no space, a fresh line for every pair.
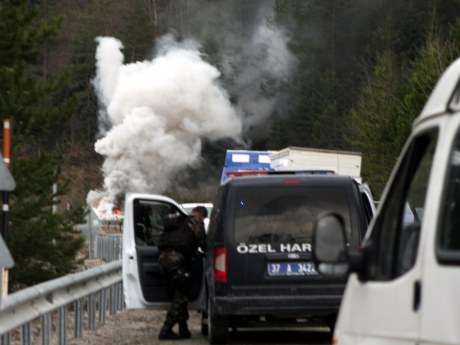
178,246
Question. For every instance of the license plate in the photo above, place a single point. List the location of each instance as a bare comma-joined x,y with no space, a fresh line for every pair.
291,269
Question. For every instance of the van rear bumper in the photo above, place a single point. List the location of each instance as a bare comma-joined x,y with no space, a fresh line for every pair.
283,306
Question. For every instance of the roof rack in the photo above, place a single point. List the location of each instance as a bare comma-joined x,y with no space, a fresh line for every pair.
278,172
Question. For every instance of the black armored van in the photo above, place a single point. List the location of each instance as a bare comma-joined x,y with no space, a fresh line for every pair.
259,267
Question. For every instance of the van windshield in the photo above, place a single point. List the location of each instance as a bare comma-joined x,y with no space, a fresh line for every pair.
285,215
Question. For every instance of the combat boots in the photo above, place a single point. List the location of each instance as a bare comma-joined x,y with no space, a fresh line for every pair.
166,332
184,333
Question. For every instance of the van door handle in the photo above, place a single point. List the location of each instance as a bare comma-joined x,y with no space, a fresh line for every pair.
130,254
417,295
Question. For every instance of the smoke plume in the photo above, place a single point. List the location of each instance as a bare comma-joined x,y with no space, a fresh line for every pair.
250,49
155,114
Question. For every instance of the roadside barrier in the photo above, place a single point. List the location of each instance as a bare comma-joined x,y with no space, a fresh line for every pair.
48,312
108,247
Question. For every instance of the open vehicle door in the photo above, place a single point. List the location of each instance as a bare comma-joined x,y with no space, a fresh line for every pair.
143,284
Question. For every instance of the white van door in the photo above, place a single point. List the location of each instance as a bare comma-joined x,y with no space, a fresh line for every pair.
440,288
143,284
382,306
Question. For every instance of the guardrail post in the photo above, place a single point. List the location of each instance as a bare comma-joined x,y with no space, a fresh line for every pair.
92,311
97,248
26,334
102,305
78,306
5,339
113,304
62,325
46,328
120,295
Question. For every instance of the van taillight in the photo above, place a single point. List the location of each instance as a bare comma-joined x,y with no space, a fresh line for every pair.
220,265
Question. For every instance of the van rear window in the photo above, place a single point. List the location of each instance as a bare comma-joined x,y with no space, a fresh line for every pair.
285,215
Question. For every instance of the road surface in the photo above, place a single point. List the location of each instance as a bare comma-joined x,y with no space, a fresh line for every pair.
141,327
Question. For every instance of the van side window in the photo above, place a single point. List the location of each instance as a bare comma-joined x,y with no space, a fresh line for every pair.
397,228
149,221
448,248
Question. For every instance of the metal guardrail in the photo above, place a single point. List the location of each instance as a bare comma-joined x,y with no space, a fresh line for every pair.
61,304
108,246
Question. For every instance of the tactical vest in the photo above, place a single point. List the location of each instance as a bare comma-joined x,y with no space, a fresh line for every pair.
178,237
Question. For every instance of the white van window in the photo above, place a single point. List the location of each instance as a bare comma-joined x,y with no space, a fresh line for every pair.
285,215
449,230
149,221
397,228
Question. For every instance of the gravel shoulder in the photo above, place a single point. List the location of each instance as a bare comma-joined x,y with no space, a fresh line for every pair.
140,327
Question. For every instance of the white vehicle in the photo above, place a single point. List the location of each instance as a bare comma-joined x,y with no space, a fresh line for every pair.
404,283
143,224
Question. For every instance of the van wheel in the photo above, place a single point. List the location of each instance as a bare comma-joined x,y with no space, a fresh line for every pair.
204,323
332,328
217,328
332,321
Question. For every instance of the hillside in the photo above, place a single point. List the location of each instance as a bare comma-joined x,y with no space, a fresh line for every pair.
331,75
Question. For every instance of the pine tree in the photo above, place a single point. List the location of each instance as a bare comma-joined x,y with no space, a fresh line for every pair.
43,243
374,122
433,57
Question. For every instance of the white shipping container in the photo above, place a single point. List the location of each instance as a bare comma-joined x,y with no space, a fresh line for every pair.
300,158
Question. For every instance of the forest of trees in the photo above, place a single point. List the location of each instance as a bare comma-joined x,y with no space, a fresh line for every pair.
360,73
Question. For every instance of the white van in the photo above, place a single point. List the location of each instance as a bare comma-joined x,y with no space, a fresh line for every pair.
404,283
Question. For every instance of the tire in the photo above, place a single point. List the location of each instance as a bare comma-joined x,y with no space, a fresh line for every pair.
217,327
332,328
204,323
332,320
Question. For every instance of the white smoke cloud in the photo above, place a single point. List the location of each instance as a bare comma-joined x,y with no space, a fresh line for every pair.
159,112
267,58
253,54
109,59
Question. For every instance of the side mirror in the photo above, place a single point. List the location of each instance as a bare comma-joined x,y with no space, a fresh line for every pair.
329,245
